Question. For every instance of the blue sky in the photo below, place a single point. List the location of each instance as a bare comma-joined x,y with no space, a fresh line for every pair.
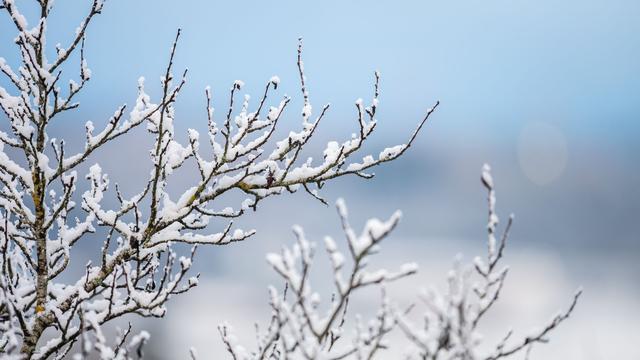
493,64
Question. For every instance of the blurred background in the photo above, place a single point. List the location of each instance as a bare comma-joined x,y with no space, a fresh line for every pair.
545,91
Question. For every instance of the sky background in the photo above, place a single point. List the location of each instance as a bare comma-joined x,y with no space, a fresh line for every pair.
545,91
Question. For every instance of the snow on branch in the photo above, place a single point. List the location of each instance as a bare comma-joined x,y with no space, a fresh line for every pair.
451,318
141,264
306,324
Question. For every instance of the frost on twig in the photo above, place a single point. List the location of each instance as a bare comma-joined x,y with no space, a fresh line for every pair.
451,319
140,267
308,325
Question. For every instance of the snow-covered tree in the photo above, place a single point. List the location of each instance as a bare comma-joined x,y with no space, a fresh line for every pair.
43,217
306,324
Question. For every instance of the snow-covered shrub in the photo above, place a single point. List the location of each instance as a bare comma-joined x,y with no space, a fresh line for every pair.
302,326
